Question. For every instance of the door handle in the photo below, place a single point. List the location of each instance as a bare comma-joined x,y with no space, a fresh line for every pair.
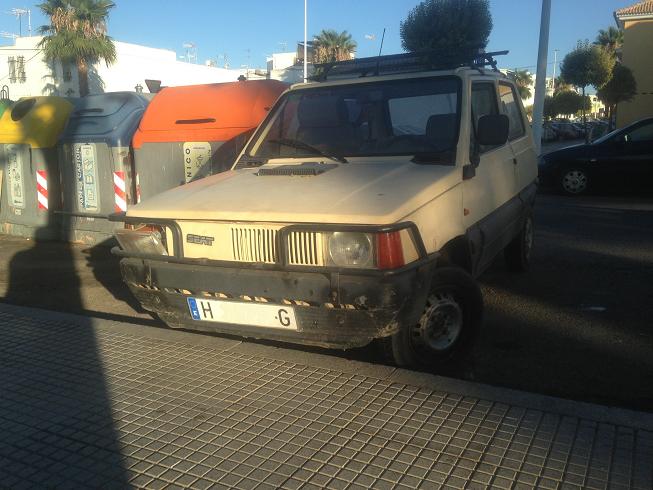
514,161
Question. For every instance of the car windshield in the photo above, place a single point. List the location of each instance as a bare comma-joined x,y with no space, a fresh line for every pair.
401,117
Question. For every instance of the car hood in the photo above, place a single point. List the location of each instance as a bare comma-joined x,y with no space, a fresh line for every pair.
569,152
370,193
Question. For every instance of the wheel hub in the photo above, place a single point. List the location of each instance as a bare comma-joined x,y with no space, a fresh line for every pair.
441,323
574,181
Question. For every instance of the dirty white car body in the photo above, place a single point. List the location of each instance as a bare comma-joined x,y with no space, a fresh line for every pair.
361,209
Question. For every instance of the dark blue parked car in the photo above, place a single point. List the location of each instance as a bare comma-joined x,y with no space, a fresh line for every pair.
622,159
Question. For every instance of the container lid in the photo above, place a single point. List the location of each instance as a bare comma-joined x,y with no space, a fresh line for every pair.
110,117
35,121
211,112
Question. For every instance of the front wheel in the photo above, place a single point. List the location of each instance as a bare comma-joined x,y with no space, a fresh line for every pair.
574,181
449,323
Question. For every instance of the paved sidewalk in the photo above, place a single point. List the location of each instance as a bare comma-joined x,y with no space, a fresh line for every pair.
91,403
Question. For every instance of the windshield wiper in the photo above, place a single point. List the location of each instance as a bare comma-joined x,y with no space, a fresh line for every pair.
301,145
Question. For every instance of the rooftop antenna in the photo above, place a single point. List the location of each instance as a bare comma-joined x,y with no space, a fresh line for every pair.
191,52
378,61
18,12
382,38
284,46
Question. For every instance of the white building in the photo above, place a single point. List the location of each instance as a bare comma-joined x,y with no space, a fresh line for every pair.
286,67
25,72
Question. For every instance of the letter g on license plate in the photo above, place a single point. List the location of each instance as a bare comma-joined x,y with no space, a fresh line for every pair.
239,313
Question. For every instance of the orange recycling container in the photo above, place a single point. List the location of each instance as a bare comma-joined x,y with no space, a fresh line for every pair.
193,131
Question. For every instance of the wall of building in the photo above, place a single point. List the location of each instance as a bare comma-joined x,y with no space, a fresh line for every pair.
636,55
134,64
281,61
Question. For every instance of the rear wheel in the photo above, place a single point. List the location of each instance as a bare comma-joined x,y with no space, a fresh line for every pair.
518,252
574,181
449,323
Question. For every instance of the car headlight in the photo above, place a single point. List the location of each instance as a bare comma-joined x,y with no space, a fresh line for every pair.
351,249
145,240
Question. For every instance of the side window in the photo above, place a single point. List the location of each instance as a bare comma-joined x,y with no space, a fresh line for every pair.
410,115
484,101
640,135
510,108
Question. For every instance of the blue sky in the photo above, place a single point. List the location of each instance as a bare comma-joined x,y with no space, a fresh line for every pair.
248,30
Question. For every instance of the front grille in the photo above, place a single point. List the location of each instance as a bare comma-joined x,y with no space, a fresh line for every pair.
304,248
260,245
254,244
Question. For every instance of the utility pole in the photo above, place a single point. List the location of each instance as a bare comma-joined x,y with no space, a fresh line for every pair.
555,65
540,80
305,41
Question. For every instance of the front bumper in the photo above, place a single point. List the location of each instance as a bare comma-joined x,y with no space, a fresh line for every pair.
333,309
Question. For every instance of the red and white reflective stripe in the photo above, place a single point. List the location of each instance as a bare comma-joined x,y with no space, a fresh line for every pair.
119,191
138,188
42,188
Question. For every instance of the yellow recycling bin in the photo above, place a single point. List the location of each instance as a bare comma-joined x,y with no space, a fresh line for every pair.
30,189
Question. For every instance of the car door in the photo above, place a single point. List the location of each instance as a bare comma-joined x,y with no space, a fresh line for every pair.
637,159
520,140
488,196
625,158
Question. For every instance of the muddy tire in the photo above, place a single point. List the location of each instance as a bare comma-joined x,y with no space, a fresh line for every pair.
449,324
518,252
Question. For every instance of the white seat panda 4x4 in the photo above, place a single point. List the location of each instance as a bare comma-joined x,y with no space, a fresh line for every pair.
362,208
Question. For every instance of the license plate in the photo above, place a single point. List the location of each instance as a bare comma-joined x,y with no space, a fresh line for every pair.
256,314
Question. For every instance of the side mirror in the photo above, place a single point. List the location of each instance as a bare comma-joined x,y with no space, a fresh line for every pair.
493,130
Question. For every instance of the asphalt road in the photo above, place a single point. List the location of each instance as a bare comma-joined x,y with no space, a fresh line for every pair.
578,325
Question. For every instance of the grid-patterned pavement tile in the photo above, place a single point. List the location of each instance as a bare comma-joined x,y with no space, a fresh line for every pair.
88,407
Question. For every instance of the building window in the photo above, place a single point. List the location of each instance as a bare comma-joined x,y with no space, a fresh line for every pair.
20,69
12,69
67,73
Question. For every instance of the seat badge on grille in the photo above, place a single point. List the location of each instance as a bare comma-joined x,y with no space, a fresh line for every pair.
200,240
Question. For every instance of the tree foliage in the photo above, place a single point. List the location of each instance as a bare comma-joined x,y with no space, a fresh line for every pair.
77,33
447,25
570,102
524,80
622,87
565,103
586,65
330,45
561,85
610,39
549,108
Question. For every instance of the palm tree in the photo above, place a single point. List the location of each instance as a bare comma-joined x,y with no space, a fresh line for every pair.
562,86
330,45
524,81
77,33
610,38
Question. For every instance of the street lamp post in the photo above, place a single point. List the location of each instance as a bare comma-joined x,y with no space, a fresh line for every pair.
305,41
540,81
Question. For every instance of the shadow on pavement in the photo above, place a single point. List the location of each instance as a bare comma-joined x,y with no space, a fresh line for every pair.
106,270
57,422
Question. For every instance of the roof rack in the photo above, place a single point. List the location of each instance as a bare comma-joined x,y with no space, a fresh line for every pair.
406,63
